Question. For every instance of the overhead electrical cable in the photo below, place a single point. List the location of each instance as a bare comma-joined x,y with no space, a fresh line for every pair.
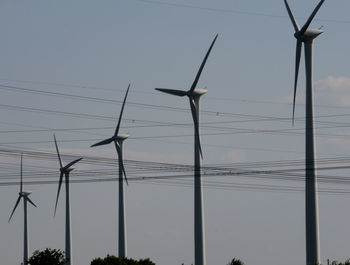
141,105
228,11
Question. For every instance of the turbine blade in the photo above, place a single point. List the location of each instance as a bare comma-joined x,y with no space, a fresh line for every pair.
121,112
120,157
308,22
196,124
126,179
72,163
175,92
58,192
297,63
58,153
32,203
104,142
21,188
14,209
202,65
295,23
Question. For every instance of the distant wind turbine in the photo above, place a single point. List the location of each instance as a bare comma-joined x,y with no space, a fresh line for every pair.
65,171
118,140
194,95
25,196
306,36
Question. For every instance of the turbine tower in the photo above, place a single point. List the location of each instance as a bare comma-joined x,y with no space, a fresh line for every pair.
25,196
65,171
306,36
118,140
194,95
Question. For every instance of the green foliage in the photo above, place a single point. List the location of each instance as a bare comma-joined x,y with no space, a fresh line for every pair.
47,257
235,262
113,260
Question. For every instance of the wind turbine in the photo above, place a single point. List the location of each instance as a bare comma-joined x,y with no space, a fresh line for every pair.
65,171
25,196
118,140
306,36
194,95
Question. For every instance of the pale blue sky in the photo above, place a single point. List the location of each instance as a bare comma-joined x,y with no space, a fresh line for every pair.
95,48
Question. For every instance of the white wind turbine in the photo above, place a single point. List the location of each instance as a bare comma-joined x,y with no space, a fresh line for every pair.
118,140
25,196
306,36
194,95
65,171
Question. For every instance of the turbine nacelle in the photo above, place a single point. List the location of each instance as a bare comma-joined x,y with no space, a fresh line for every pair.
197,92
25,193
120,137
309,35
69,167
116,138
66,170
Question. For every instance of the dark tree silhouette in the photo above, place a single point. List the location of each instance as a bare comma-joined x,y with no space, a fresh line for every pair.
347,262
47,257
235,262
113,260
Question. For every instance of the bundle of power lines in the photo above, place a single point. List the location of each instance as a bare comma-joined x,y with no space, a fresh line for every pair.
241,176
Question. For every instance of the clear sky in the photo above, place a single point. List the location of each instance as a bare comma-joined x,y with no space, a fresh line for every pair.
94,49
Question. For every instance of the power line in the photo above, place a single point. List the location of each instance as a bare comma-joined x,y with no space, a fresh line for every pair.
283,132
103,117
150,106
207,184
112,161
244,100
287,170
233,11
